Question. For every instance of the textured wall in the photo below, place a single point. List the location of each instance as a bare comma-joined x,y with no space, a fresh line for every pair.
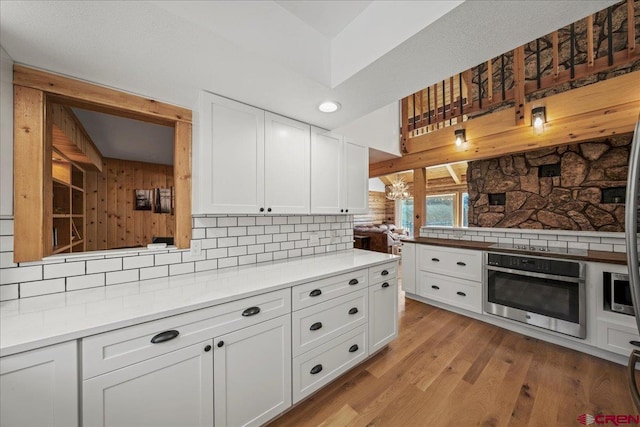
571,201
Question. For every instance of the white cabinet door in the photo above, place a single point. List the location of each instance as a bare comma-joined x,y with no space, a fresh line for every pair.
252,370
383,314
40,387
175,389
231,151
356,178
287,165
326,172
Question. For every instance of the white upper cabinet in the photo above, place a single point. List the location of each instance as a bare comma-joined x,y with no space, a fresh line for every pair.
231,156
356,178
287,163
326,172
250,161
339,174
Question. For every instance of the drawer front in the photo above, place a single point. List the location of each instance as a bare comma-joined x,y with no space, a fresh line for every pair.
116,349
615,338
318,367
461,263
311,293
457,292
383,272
321,323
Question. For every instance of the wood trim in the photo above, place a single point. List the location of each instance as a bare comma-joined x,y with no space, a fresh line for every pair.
453,174
28,173
182,183
32,89
419,197
99,96
631,29
590,41
519,84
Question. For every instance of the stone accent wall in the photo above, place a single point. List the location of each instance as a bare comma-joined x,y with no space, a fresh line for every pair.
571,201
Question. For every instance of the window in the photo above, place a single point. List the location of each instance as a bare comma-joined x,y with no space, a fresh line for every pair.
406,215
465,209
440,210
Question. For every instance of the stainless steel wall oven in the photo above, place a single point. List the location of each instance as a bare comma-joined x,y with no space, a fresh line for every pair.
539,291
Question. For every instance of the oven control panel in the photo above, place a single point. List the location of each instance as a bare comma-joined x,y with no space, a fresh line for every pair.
538,265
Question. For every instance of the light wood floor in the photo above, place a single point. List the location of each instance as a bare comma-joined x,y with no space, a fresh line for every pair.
449,370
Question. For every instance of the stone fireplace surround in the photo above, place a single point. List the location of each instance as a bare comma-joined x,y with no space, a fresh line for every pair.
517,191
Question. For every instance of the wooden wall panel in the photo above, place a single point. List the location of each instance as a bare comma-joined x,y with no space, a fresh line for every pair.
377,210
112,221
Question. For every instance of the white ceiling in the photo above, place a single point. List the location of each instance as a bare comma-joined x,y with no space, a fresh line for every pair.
282,56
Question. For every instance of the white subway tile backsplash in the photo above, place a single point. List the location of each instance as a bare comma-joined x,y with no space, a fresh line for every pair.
154,272
577,245
209,244
307,220
620,248
294,253
280,255
300,228
279,220
213,233
6,227
294,236
237,251
205,222
255,249
236,231
228,222
198,233
228,262
6,260
247,259
294,220
265,238
287,228
246,240
301,244
104,265
601,247
272,229
612,241
41,287
272,247
124,276
184,268
216,253
84,282
20,274
226,242
264,220
170,258
137,262
246,221
256,230
287,245
6,243
187,257
588,239
210,264
66,269
566,238
264,257
9,292
280,237
307,251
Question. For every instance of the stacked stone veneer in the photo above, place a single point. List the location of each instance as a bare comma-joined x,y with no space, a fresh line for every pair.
571,201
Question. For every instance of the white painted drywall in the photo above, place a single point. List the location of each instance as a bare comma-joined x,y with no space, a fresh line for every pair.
6,134
376,185
379,129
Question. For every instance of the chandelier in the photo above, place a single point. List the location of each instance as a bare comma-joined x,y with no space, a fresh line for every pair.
398,189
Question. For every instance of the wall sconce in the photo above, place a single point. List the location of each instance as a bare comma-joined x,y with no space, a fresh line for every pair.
460,137
538,119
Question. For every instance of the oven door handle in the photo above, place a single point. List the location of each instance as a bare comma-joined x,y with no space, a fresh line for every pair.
534,274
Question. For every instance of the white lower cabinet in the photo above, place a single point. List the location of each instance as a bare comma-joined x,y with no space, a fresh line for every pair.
40,387
326,362
169,390
383,322
252,373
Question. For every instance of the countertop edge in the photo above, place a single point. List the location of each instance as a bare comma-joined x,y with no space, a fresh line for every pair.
20,347
592,256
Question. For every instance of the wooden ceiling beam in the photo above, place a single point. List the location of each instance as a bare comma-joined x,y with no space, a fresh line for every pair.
453,174
601,109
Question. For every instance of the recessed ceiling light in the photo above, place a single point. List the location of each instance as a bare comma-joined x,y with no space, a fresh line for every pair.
329,106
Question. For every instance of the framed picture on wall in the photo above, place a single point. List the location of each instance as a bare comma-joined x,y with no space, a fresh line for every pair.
143,199
163,201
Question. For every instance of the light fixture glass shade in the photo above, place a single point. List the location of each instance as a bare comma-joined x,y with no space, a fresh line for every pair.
460,136
538,119
398,189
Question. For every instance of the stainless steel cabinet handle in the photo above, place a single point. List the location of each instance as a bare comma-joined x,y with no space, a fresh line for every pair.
164,336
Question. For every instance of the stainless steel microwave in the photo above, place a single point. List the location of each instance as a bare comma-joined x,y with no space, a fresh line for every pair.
621,294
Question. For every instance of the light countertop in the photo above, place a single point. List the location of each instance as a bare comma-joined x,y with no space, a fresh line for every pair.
35,322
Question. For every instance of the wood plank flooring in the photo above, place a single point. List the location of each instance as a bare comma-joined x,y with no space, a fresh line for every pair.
449,370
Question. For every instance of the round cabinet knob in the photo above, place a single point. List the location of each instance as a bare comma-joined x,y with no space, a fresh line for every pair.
269,210
220,343
207,348
341,210
346,210
261,209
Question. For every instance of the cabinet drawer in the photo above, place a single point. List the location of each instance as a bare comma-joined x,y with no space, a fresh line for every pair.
383,272
456,292
115,349
614,337
320,323
461,263
318,367
311,293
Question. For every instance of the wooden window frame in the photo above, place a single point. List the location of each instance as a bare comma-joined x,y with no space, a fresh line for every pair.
32,151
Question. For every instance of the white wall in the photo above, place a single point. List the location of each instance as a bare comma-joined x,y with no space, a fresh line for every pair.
379,129
376,185
6,134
